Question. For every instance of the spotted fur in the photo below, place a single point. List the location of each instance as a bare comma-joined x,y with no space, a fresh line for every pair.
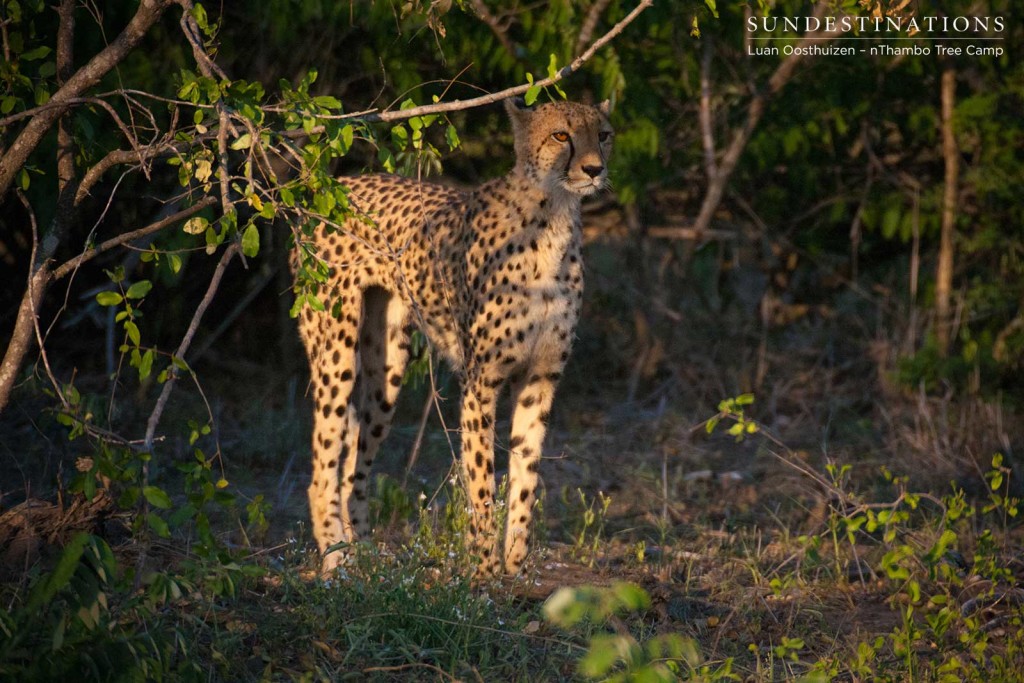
494,278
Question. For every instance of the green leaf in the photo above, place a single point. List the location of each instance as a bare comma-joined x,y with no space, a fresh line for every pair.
552,66
287,196
564,607
36,53
61,575
631,596
605,650
196,225
243,141
42,95
387,159
158,525
213,239
400,136
531,95
157,497
552,73
327,101
139,289
174,263
452,137
347,135
146,364
109,298
251,241
133,332
314,302
891,221
199,13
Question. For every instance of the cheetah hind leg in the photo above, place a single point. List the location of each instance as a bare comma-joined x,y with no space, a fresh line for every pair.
383,353
330,344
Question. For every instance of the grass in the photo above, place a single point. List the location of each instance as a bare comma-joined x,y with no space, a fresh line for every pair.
891,584
663,552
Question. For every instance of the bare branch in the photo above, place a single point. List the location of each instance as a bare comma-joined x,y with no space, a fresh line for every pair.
95,99
755,109
127,156
460,105
89,254
5,39
222,161
951,157
106,106
590,23
186,341
496,28
28,139
65,67
706,131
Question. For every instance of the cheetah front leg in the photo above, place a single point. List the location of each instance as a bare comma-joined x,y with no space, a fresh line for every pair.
532,397
477,423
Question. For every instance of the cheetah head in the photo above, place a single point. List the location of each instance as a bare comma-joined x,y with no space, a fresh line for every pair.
563,146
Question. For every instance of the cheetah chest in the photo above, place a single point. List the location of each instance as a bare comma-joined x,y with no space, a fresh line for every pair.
530,302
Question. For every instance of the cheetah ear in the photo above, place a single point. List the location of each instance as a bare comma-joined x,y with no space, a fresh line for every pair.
516,106
605,107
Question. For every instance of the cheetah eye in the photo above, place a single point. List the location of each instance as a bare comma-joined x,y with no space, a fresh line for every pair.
561,136
604,136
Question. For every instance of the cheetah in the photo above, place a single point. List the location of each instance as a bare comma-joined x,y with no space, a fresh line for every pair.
493,277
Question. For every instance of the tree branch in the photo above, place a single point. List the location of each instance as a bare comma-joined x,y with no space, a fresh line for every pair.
193,34
28,139
590,23
24,324
65,68
89,254
706,129
492,22
186,341
460,105
755,109
951,157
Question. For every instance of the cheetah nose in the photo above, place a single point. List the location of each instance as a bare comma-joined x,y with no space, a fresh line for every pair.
593,171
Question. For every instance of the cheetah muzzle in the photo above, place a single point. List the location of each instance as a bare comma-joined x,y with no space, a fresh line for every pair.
494,278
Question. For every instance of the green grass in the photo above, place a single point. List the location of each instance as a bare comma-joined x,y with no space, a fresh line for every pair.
799,571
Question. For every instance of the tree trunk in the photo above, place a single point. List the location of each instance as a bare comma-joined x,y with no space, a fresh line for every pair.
89,75
944,268
72,84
